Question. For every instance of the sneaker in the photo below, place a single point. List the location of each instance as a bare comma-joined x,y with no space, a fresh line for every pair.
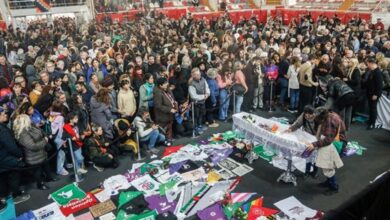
167,143
99,169
63,172
290,110
82,171
69,165
21,198
213,125
199,131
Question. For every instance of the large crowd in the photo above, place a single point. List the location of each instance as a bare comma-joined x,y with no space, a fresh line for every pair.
92,87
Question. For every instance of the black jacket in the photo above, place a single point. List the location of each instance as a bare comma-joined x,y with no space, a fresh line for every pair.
338,88
9,151
374,83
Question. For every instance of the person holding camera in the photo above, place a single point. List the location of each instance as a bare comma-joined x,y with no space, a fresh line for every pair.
100,152
148,131
165,106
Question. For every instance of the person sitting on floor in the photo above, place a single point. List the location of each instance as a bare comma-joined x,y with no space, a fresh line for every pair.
100,152
123,138
148,131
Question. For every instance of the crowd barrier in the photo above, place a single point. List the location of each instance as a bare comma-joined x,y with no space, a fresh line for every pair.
261,14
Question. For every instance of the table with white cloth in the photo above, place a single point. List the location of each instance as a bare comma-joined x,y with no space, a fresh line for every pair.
288,144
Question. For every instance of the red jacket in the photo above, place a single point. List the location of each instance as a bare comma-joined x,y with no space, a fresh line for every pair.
70,132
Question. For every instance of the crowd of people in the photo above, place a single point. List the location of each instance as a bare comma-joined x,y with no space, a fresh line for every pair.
90,88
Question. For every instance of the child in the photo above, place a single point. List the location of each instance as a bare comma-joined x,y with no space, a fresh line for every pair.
100,152
72,131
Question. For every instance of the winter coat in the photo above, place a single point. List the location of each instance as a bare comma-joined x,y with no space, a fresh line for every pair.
101,115
126,102
374,83
9,151
33,142
96,147
162,106
145,100
214,90
338,88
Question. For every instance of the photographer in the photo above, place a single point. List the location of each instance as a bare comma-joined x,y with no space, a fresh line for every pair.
100,151
165,106
148,130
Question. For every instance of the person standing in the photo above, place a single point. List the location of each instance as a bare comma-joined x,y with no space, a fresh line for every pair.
331,128
306,83
239,86
165,106
374,86
127,105
11,156
199,92
293,84
224,81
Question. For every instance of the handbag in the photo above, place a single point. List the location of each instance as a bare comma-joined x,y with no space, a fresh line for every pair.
238,89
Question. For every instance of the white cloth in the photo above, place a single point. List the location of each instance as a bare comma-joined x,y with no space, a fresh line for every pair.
292,74
289,144
113,184
383,119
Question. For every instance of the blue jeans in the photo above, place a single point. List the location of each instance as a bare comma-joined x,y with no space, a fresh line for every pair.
60,155
294,98
224,104
283,89
78,157
239,100
153,138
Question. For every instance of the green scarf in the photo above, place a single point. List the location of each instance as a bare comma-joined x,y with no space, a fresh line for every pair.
149,88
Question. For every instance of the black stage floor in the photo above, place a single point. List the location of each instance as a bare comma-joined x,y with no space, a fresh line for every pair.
353,177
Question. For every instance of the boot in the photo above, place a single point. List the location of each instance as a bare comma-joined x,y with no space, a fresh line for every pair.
333,186
314,173
307,170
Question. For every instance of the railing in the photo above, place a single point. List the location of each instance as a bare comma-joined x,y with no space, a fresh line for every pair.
382,6
24,4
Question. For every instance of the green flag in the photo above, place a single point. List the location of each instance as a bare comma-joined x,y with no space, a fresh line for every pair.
146,168
68,193
126,197
166,186
230,209
265,154
147,215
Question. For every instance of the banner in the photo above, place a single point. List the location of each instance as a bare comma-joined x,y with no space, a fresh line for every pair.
383,120
68,193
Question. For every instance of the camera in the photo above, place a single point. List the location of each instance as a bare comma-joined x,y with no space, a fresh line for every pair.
133,128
